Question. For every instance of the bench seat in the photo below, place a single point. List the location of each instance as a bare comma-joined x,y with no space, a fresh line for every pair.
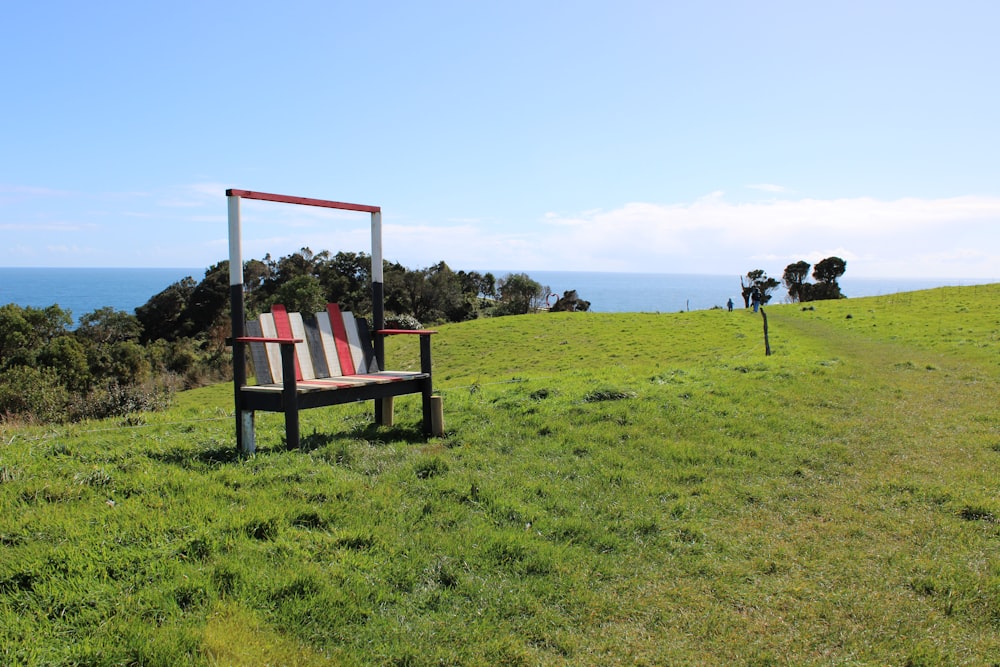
324,359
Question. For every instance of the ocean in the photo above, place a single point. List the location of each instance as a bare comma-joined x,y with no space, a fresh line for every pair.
675,292
82,291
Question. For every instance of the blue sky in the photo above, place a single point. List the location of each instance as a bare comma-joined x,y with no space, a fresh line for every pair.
674,137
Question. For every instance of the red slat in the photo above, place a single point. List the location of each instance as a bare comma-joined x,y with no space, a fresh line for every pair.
340,337
284,330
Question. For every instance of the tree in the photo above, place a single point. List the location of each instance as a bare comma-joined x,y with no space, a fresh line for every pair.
110,338
163,315
107,325
209,301
794,278
829,269
302,294
67,357
16,334
488,286
24,330
570,302
760,280
826,273
478,285
448,302
519,294
123,362
346,279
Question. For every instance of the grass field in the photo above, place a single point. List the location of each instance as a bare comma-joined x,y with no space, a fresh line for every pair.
642,489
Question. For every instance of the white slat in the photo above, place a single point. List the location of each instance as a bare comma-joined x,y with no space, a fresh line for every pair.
273,350
352,337
302,349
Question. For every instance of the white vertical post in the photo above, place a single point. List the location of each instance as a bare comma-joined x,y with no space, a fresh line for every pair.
378,295
245,441
235,242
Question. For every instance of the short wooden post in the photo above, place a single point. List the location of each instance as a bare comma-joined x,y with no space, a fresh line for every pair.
386,417
767,341
437,416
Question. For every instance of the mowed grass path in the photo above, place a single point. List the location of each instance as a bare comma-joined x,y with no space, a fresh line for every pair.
613,489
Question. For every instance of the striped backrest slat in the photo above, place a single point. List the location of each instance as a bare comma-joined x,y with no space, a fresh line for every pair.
329,344
271,350
303,354
316,351
370,363
335,344
283,325
341,335
357,356
261,367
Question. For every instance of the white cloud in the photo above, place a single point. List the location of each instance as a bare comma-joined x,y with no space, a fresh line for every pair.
952,237
947,237
957,236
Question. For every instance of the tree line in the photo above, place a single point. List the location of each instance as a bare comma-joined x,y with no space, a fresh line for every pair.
826,274
305,281
116,364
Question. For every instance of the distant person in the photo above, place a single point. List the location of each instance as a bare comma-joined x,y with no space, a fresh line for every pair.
755,298
729,305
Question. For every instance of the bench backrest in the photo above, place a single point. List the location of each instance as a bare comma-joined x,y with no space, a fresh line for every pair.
334,343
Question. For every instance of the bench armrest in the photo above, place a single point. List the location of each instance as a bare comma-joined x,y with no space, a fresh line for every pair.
425,344
288,362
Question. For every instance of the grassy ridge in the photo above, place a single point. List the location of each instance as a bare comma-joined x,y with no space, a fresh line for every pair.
614,488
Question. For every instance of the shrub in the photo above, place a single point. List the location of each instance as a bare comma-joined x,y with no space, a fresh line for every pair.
393,321
120,400
33,394
67,357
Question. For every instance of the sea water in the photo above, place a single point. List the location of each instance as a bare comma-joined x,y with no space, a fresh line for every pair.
675,292
83,291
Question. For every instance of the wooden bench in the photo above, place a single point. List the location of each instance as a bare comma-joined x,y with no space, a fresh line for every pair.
320,360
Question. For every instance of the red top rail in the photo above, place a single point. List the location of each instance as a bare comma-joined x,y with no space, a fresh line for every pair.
305,201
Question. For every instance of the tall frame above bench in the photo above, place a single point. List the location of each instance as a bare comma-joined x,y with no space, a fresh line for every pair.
245,439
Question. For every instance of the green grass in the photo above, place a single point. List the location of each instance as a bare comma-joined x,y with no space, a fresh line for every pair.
614,489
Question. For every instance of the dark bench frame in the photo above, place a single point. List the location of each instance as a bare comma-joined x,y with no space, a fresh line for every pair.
292,398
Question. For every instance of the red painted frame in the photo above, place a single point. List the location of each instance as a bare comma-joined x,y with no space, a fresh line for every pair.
304,201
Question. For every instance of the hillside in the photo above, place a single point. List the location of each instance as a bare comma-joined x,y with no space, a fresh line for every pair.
614,489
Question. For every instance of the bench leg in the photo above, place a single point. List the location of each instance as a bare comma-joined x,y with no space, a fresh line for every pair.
289,396
244,425
292,428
